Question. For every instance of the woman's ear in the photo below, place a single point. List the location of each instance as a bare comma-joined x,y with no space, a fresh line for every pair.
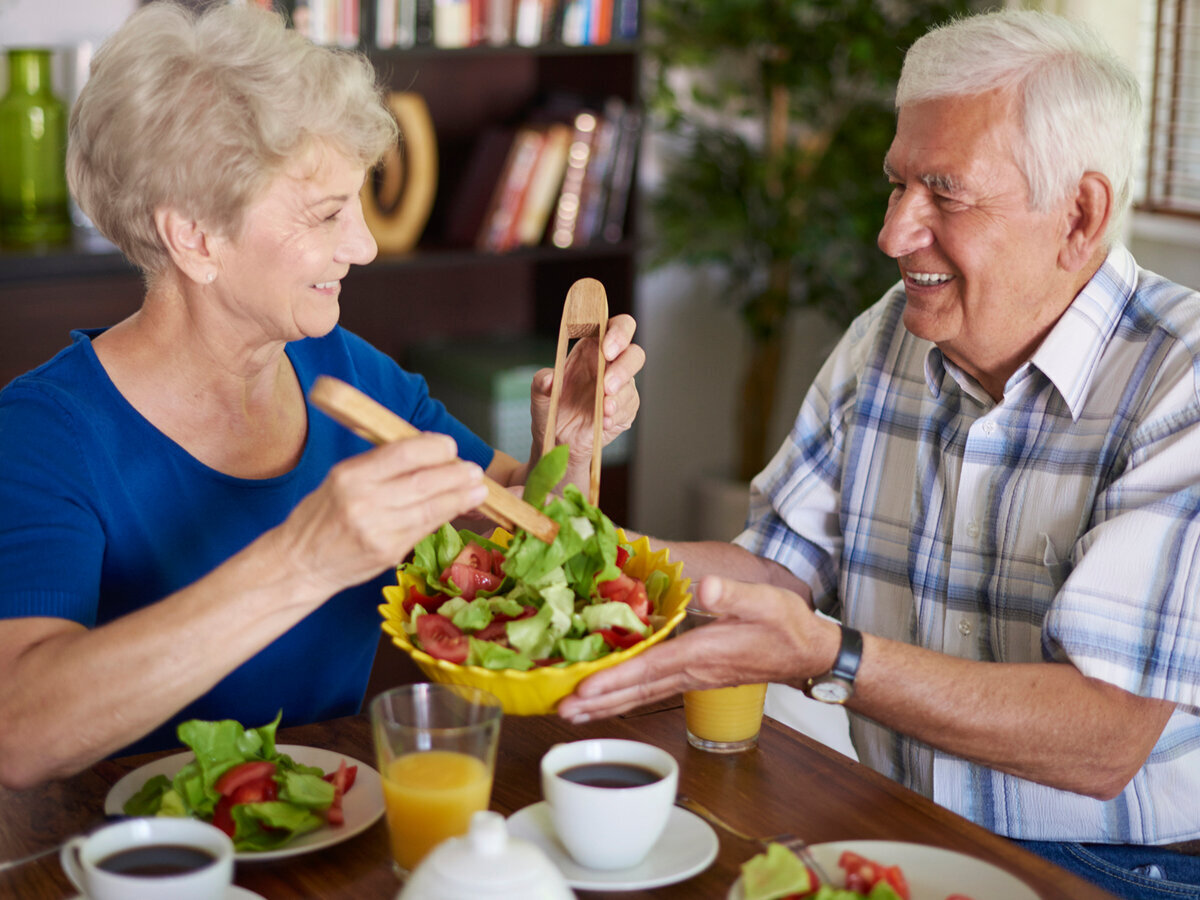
1087,221
188,244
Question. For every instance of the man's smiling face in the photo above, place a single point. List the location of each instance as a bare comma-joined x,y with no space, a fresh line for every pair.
980,267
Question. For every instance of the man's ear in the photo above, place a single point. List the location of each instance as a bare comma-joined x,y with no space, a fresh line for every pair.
1087,221
188,244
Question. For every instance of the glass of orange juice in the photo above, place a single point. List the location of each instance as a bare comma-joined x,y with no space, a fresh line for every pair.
722,720
436,749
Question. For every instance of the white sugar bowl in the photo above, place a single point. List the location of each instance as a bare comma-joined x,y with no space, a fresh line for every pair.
486,864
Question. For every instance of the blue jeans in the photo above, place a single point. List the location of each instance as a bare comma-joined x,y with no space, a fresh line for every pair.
1136,872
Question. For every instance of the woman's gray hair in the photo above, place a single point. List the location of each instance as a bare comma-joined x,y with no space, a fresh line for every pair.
199,111
1080,105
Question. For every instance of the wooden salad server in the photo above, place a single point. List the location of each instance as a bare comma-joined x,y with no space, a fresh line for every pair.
585,314
372,420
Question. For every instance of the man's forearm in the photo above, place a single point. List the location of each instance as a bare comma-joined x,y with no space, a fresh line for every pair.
1040,721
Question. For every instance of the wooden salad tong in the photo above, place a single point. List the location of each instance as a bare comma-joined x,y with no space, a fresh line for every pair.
585,314
372,420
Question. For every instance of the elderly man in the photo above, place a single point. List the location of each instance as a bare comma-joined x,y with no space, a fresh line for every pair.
994,482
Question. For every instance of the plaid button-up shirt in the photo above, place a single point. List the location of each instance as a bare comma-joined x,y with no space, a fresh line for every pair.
1061,523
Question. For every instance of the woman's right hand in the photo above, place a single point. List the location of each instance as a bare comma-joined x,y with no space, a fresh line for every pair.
373,508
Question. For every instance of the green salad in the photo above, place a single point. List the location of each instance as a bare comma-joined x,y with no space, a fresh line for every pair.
474,602
242,784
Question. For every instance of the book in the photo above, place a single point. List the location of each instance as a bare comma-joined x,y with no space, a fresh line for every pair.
451,23
498,28
386,31
600,23
621,178
576,19
347,23
498,233
529,19
539,200
626,20
596,178
566,213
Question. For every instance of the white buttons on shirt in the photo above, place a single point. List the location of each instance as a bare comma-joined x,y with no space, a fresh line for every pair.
989,428
973,529
964,627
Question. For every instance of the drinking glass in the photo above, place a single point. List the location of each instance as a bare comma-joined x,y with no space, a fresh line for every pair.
436,749
722,720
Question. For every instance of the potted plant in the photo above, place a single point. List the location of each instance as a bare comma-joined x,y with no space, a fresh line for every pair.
775,116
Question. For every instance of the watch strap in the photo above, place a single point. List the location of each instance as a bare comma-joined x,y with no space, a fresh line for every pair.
849,655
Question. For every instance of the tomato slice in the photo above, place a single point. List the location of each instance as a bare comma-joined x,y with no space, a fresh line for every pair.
415,597
471,580
441,638
894,878
258,791
222,818
622,556
343,779
243,773
619,638
475,556
627,589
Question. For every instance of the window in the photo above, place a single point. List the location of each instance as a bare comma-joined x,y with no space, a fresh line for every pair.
1172,170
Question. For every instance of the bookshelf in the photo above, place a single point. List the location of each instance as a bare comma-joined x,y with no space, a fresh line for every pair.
441,289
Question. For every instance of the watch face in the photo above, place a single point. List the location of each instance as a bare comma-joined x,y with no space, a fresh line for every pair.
831,691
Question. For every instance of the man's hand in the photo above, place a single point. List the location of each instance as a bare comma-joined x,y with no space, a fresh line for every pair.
764,634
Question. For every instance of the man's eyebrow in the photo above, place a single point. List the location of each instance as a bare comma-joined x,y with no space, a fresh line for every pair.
946,184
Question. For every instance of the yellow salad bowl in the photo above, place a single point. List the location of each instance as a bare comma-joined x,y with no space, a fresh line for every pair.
537,691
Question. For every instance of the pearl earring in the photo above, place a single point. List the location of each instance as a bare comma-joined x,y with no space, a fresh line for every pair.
212,276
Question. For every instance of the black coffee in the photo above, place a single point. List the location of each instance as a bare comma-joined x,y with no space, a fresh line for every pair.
157,860
611,775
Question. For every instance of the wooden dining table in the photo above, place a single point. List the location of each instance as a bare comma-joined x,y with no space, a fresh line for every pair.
789,783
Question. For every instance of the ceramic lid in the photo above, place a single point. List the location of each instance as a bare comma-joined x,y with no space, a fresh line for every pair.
486,864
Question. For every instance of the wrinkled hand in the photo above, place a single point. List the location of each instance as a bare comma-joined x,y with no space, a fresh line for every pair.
764,634
371,509
623,360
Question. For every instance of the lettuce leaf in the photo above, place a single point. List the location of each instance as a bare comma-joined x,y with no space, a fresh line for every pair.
266,826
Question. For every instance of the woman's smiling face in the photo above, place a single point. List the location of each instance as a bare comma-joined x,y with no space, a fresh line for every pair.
980,268
298,240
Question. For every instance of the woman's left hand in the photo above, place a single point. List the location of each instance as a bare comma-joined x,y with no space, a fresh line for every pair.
623,360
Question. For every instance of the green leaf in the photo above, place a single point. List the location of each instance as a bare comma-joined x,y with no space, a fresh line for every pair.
305,789
266,826
614,613
491,655
545,475
148,799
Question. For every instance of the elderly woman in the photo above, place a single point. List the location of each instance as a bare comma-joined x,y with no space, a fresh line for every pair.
180,537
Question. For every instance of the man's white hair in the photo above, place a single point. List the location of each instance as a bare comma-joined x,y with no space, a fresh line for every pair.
1080,106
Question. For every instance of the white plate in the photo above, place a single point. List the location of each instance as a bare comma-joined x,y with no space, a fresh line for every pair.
235,893
362,805
932,872
686,848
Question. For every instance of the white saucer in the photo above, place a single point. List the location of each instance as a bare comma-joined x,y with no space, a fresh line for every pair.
235,893
687,847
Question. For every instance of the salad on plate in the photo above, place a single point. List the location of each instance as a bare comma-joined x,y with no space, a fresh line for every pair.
239,782
476,602
779,874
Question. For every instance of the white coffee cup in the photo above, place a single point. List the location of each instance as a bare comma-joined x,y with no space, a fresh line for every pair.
194,858
609,827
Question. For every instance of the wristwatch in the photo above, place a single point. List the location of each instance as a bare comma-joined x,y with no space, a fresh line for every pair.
837,685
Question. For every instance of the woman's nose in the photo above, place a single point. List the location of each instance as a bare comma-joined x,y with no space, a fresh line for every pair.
358,244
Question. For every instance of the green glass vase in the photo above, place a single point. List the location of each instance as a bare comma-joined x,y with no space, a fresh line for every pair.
33,146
